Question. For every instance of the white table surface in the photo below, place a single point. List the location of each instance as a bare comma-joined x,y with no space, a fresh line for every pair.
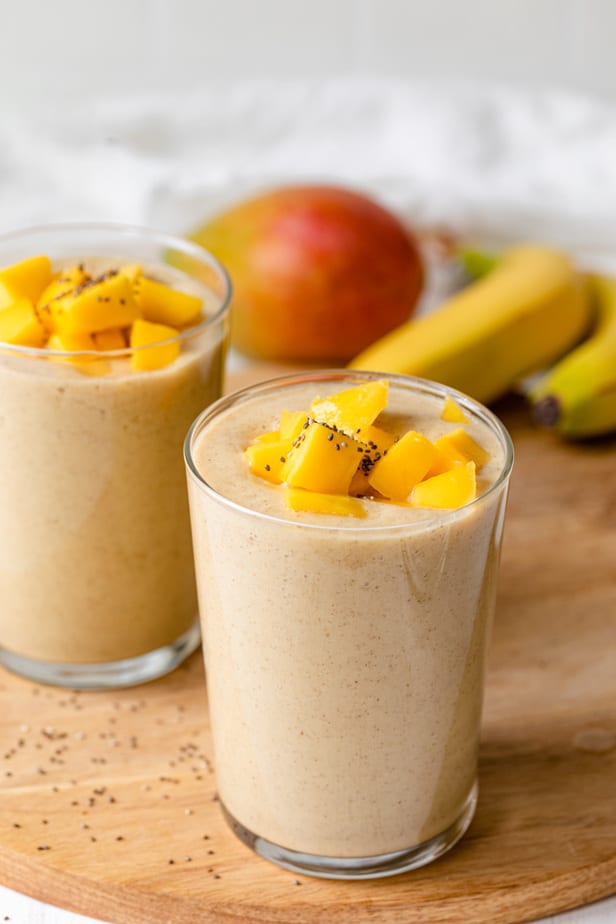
18,909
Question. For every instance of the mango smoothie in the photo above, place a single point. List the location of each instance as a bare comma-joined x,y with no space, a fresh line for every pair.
107,354
345,629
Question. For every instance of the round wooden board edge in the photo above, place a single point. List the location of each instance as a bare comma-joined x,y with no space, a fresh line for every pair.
529,901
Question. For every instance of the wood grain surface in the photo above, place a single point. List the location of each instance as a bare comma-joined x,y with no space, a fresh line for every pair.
108,800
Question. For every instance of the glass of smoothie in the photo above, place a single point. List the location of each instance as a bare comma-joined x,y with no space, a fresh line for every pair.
112,338
346,606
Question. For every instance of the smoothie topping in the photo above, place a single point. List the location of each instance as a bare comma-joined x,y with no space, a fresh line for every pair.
72,311
333,456
452,412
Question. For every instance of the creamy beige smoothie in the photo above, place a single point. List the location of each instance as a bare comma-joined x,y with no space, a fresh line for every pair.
95,547
345,658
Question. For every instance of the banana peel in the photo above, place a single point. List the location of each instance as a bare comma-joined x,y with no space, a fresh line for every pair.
523,315
577,397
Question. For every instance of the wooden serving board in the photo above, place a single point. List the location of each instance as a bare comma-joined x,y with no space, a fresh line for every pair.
108,800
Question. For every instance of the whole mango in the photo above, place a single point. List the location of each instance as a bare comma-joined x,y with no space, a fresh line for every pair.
319,272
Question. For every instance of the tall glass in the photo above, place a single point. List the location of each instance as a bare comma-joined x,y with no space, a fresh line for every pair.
96,574
344,658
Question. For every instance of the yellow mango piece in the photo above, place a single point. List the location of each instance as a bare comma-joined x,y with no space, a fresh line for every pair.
406,462
291,423
452,412
360,486
450,490
322,460
375,438
54,299
459,446
272,437
112,339
443,462
20,325
267,459
71,343
104,302
374,443
163,305
314,502
62,283
353,408
74,343
145,334
132,271
25,279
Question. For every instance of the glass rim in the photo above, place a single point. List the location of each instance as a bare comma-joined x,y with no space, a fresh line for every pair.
414,383
135,232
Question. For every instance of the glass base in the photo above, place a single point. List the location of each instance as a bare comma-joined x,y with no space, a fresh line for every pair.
387,864
109,674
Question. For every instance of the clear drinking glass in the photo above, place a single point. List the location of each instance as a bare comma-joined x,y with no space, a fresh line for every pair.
96,572
344,658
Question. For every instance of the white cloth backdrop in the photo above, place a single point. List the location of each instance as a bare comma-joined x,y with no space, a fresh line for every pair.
493,159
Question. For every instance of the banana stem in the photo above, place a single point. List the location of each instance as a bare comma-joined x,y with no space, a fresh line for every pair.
546,411
477,263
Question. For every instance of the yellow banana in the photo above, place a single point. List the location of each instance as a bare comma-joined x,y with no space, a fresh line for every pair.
521,317
578,395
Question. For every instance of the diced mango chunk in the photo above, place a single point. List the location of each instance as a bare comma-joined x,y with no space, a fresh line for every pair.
267,459
52,312
20,325
353,408
132,271
162,304
112,339
443,462
374,438
25,279
452,412
461,447
374,443
314,502
272,436
55,297
450,490
322,460
395,474
73,344
62,283
151,357
360,486
291,424
104,302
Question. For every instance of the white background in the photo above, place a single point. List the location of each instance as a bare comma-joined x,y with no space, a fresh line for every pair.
63,50
90,93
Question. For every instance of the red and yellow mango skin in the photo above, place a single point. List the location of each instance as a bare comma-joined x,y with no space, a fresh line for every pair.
318,272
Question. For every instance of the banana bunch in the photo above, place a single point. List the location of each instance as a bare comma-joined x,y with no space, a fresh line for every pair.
516,320
578,395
